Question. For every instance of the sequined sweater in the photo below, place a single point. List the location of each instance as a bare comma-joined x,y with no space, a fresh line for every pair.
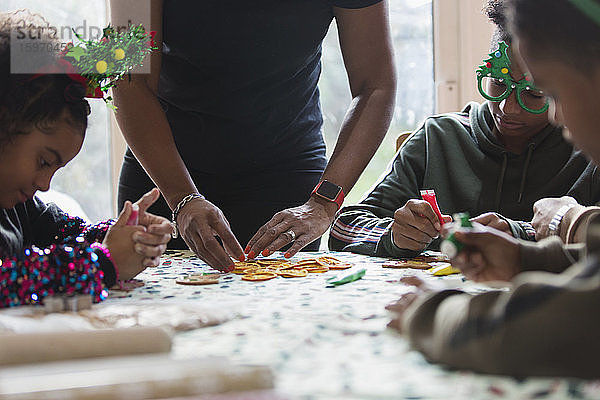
44,252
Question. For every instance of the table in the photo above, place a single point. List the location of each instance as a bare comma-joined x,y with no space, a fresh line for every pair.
329,343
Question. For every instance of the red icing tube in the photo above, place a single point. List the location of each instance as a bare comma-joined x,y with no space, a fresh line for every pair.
429,196
133,218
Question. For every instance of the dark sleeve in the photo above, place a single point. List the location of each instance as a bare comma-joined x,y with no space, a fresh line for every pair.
594,186
546,325
549,254
586,190
353,3
520,229
364,228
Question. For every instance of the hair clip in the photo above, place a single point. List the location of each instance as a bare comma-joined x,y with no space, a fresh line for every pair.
102,63
99,64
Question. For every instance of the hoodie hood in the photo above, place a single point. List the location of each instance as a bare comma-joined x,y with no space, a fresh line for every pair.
482,124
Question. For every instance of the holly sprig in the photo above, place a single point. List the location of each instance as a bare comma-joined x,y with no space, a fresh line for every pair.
106,61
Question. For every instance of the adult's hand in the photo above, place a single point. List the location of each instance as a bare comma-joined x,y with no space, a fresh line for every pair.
493,221
300,225
200,223
400,306
416,225
543,212
145,127
366,44
489,255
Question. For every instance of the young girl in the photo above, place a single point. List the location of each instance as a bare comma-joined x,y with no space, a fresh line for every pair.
43,251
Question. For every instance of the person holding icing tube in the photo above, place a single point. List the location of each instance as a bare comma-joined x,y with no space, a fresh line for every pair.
493,160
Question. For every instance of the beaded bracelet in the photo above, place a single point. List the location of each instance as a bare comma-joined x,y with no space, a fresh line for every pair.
554,225
178,208
106,253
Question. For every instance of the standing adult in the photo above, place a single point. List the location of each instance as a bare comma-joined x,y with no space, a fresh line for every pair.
228,122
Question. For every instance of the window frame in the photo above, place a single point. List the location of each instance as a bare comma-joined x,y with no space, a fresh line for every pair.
118,146
461,39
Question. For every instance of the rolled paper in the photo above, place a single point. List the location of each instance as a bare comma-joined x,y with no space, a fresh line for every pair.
70,345
137,378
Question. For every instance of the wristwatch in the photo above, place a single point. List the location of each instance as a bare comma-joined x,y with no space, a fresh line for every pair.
554,225
330,192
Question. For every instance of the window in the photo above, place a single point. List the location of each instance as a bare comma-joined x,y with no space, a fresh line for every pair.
87,178
411,23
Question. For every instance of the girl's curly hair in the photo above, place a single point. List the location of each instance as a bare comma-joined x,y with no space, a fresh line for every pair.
34,101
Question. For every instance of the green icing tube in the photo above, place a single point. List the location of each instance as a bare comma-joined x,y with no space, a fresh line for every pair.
451,246
347,279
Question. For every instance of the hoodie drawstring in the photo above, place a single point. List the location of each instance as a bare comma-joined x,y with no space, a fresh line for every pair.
524,176
501,180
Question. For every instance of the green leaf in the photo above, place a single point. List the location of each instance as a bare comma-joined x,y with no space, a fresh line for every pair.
76,52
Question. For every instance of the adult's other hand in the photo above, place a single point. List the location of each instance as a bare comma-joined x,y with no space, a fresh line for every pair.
200,223
298,225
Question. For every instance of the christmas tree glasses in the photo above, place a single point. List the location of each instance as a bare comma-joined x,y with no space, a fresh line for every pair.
495,83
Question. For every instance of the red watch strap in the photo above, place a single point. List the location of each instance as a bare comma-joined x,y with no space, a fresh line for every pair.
338,199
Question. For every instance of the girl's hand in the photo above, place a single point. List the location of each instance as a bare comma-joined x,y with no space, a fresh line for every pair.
152,242
119,241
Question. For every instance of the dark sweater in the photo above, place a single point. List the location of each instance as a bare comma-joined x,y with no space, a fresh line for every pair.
242,75
458,155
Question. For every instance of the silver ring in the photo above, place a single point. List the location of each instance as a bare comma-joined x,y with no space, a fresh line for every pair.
291,234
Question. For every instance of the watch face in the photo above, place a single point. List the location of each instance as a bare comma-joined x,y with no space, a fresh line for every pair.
328,190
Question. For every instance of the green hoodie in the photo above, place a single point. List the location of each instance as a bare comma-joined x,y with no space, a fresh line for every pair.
458,156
